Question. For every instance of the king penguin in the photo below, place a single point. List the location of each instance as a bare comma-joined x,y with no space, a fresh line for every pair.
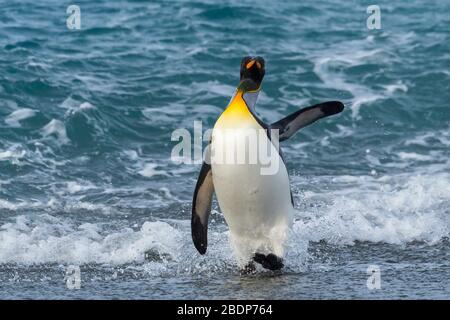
257,204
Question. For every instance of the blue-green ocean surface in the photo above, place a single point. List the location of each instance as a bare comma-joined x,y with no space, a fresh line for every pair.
86,117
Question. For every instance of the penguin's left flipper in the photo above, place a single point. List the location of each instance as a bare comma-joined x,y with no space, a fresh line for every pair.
201,208
292,123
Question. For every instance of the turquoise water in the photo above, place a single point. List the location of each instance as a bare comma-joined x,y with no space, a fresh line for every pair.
86,117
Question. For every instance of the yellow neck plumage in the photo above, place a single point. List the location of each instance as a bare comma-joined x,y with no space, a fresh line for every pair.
239,108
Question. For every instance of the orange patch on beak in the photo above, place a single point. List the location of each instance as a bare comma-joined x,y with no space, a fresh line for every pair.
250,64
258,65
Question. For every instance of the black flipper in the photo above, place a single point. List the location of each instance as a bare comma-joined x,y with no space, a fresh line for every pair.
201,208
292,123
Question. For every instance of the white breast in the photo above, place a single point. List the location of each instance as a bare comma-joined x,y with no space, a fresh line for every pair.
257,206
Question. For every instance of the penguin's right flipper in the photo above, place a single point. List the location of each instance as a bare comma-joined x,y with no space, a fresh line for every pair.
292,123
201,208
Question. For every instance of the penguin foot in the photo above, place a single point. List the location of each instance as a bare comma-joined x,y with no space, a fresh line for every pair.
270,261
248,269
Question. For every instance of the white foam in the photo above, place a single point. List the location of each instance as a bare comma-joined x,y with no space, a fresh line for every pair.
414,156
69,103
13,154
14,118
391,209
73,106
213,87
164,115
422,139
132,154
395,209
56,128
8,154
149,170
18,205
5,204
77,186
5,182
361,94
331,69
85,106
48,239
398,86
343,131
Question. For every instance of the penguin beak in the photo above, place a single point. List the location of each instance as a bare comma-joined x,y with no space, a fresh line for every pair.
251,63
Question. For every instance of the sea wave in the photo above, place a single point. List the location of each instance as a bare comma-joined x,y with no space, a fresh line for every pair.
386,209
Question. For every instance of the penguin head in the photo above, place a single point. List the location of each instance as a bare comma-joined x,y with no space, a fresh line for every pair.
252,73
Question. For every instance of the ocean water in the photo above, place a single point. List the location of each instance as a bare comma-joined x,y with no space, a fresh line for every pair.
86,175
